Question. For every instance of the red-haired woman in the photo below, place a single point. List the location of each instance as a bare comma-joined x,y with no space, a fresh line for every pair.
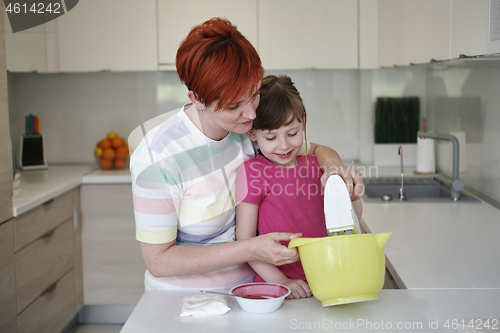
184,170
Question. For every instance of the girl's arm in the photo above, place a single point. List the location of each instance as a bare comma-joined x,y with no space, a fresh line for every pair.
331,164
247,215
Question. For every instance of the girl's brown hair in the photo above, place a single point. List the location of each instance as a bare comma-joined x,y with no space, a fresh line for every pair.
218,63
279,99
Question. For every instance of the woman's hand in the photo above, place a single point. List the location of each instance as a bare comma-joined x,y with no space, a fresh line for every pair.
352,179
331,164
299,288
268,248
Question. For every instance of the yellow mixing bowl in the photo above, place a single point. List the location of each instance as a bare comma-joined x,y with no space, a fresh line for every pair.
343,269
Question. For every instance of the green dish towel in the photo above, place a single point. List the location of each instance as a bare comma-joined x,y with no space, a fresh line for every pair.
397,120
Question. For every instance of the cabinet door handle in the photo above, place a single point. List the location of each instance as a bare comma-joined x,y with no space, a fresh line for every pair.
48,234
50,289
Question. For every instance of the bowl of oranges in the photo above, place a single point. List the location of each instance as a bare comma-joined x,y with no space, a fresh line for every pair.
112,152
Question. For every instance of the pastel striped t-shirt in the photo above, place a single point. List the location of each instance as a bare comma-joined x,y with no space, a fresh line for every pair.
183,183
183,187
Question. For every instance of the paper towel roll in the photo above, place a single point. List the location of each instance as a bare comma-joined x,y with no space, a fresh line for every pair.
460,135
425,156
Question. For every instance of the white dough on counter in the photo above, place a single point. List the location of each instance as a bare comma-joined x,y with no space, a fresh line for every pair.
204,305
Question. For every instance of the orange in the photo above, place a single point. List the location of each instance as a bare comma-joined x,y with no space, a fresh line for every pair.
111,135
98,152
120,163
104,143
108,154
118,142
122,152
105,164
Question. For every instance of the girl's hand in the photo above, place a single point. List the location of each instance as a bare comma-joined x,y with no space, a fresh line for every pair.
268,248
299,288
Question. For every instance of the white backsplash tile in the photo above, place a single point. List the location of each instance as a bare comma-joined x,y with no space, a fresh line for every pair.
78,109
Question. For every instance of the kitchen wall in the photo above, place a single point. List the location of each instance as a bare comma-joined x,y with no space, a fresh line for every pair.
79,109
469,90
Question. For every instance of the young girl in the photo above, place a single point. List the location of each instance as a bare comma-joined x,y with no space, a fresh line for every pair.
280,190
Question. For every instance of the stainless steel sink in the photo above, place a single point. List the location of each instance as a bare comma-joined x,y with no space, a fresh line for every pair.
418,189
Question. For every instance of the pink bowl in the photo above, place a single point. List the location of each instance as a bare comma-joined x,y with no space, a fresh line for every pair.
275,292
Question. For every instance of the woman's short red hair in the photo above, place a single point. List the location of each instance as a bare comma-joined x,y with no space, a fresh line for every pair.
218,63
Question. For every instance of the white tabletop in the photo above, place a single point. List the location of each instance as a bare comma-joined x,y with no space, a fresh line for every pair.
395,310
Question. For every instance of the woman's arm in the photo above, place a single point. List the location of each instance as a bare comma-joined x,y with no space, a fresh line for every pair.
331,164
168,259
358,208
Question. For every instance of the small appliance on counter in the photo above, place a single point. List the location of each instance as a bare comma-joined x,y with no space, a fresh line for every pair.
32,146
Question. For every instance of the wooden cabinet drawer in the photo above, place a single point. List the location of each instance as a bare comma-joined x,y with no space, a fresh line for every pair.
43,262
8,313
51,311
37,222
109,246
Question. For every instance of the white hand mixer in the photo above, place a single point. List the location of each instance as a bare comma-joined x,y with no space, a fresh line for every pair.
341,219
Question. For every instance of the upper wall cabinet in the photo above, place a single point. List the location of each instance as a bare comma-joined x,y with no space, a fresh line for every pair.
297,34
131,35
413,31
96,35
469,28
116,35
31,50
176,18
418,31
494,27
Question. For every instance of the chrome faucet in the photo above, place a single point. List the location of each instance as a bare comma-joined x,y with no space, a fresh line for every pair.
402,195
456,184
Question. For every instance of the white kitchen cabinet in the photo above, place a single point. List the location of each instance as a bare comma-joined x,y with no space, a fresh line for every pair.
418,31
469,27
413,31
177,18
297,34
116,35
32,50
494,27
368,34
113,269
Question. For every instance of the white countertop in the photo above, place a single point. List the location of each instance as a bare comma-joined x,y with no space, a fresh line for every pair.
395,310
113,176
41,185
439,245
447,254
